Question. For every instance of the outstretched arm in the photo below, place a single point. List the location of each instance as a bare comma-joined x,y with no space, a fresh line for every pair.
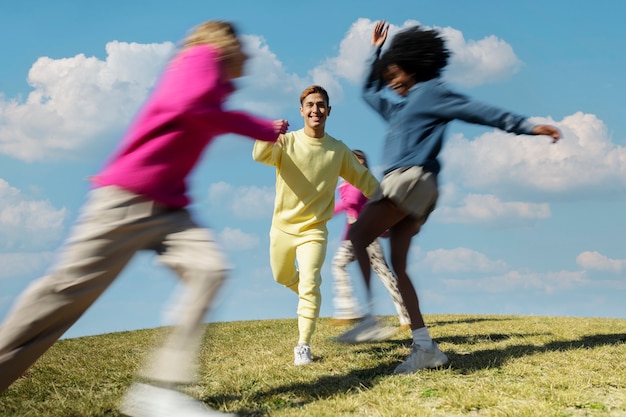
280,126
547,130
269,153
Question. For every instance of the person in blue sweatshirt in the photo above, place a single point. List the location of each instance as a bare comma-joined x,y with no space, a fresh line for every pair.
417,118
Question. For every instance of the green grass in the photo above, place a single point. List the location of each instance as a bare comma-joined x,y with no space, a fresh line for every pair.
500,366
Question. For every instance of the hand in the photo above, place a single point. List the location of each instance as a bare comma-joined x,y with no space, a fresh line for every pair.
280,126
548,130
379,36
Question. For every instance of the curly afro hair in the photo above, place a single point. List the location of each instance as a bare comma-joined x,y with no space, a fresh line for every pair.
417,51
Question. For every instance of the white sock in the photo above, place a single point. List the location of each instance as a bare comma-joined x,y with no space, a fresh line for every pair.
421,337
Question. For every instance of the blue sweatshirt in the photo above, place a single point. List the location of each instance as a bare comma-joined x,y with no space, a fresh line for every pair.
417,122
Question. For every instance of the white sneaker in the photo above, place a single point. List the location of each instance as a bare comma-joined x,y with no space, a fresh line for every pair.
144,400
421,358
367,331
302,355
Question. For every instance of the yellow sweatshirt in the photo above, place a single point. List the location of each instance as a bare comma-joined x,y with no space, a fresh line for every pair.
307,170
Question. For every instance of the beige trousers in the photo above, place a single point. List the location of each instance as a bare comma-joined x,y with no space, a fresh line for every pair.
114,224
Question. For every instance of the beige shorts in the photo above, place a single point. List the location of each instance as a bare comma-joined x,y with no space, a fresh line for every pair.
412,189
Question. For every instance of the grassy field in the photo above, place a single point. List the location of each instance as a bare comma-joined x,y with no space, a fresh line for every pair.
499,366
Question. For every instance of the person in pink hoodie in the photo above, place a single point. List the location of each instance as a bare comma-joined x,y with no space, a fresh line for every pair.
346,307
138,203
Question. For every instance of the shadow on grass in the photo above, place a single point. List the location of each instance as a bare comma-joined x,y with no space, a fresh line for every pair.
486,338
493,358
468,320
296,395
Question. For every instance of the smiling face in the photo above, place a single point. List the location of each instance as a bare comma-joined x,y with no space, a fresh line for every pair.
314,110
398,79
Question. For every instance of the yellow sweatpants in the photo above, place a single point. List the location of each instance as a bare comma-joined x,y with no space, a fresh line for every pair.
296,262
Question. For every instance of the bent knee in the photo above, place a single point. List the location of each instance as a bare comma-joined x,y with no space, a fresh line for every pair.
290,282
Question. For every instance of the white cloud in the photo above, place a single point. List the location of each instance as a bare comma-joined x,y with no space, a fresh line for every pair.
236,240
465,270
354,50
490,209
74,100
472,63
511,281
27,223
247,202
254,202
268,88
219,192
584,162
596,261
460,260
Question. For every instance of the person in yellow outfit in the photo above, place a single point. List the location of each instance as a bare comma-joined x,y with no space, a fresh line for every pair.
308,165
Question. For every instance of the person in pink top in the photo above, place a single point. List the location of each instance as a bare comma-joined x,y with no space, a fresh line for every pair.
346,307
138,203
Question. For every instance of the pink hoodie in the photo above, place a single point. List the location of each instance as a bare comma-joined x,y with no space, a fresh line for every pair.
351,200
169,134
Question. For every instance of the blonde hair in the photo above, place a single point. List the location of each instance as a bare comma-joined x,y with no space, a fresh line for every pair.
221,34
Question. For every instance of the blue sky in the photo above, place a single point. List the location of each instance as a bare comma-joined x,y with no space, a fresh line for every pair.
522,226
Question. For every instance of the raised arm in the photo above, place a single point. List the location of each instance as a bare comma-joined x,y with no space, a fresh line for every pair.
379,35
373,83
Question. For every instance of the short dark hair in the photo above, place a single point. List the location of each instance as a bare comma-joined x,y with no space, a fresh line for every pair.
360,155
315,89
419,52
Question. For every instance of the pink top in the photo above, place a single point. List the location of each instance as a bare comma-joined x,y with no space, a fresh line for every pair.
351,200
171,131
